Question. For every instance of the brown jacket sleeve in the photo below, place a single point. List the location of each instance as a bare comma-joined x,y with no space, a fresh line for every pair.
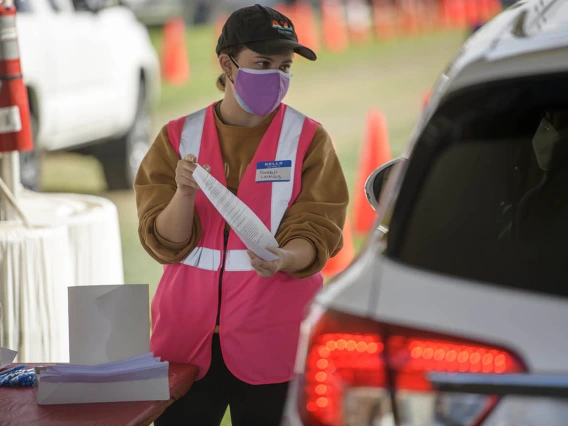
319,212
155,187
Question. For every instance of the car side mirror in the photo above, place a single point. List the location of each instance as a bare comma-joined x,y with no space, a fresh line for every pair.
377,181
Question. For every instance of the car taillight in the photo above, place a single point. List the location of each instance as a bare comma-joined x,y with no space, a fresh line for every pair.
352,364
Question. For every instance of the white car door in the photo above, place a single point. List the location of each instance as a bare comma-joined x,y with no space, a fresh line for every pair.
38,67
83,70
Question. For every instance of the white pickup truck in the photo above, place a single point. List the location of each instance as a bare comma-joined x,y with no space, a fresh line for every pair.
92,76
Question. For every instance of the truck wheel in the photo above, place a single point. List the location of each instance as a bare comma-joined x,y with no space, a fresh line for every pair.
30,171
121,158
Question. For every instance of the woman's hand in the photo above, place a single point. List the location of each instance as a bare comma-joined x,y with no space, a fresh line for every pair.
295,256
267,269
186,184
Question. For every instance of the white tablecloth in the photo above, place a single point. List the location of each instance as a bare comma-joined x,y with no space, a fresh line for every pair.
75,241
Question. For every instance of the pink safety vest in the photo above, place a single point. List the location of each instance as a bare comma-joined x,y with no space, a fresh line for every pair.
259,317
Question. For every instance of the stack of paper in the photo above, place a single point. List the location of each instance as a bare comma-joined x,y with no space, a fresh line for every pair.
139,368
109,347
143,378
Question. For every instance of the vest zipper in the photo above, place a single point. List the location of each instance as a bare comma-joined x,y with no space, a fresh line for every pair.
225,243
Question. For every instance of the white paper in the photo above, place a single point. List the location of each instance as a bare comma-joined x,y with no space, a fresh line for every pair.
138,368
79,393
108,323
246,224
7,356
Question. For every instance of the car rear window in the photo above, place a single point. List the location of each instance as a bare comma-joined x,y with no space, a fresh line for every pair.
476,201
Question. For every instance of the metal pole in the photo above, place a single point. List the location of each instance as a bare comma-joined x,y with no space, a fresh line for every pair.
10,174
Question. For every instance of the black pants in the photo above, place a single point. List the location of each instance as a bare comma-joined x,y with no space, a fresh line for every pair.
207,400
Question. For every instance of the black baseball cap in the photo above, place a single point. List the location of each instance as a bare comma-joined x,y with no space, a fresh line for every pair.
262,30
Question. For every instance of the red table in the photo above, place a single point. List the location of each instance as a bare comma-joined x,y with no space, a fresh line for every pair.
18,406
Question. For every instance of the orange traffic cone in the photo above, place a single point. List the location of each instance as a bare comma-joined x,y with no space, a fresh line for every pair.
218,29
484,10
375,152
305,23
359,21
459,16
445,14
426,98
337,264
430,17
384,16
219,23
175,61
334,28
410,18
495,7
472,12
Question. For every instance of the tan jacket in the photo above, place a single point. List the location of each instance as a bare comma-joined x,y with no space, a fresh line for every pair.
317,215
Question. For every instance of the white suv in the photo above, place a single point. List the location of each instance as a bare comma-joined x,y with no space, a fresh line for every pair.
461,292
92,75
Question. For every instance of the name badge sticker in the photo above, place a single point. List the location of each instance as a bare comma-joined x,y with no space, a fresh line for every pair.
274,171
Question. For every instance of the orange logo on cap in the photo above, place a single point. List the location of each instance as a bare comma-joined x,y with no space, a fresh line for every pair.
283,27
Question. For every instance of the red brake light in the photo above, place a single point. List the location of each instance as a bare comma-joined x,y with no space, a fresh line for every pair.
339,359
411,358
334,359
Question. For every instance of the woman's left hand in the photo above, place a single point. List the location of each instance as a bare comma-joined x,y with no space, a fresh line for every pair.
267,269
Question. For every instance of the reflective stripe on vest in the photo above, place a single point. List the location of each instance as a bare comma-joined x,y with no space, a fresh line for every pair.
191,134
204,258
238,260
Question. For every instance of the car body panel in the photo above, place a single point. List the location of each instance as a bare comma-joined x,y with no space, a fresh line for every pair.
84,69
527,323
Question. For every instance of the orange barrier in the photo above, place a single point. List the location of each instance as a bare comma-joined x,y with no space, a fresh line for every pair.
334,27
175,60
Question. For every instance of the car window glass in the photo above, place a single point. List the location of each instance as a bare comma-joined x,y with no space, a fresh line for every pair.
485,208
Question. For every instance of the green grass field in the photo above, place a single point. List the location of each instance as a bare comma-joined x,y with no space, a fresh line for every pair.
337,90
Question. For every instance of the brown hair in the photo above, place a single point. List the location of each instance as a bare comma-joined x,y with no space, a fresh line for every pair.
234,52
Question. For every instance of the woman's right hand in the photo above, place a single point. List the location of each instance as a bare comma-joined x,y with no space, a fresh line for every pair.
186,184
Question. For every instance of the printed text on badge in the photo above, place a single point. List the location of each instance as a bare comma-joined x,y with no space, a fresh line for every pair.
273,171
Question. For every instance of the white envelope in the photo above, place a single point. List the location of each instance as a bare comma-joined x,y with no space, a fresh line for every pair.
108,323
78,393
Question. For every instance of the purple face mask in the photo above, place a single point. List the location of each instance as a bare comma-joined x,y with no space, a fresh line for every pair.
260,92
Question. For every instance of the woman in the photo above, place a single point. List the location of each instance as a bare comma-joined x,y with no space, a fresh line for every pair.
218,306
